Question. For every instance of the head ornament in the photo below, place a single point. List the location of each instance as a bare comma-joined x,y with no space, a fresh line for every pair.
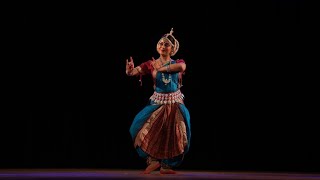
172,40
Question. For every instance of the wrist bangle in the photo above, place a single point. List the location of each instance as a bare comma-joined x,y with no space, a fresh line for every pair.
129,73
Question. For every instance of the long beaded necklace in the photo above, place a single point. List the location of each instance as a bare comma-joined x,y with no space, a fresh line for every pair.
166,81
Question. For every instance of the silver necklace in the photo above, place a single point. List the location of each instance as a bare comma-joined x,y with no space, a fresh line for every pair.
164,80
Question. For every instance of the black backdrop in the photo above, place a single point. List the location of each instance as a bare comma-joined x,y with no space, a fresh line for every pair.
72,104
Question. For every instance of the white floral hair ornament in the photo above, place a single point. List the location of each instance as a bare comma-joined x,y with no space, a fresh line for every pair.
172,40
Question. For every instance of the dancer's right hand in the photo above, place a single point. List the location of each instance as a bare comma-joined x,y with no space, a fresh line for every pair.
129,65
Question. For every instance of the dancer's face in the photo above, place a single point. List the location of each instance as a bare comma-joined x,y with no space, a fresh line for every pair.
164,47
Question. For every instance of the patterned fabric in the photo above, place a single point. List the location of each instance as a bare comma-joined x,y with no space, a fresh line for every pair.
162,130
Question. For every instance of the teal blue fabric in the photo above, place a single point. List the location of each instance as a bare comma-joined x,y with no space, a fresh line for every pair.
146,112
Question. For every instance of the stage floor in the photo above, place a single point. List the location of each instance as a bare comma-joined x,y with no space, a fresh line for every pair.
98,174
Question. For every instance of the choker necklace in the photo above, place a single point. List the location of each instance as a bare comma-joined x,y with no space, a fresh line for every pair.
163,63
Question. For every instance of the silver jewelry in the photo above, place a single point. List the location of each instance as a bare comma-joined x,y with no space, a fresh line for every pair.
166,81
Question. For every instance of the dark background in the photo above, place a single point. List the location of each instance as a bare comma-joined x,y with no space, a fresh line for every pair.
248,92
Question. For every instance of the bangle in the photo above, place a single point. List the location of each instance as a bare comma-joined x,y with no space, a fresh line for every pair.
138,69
129,73
168,68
